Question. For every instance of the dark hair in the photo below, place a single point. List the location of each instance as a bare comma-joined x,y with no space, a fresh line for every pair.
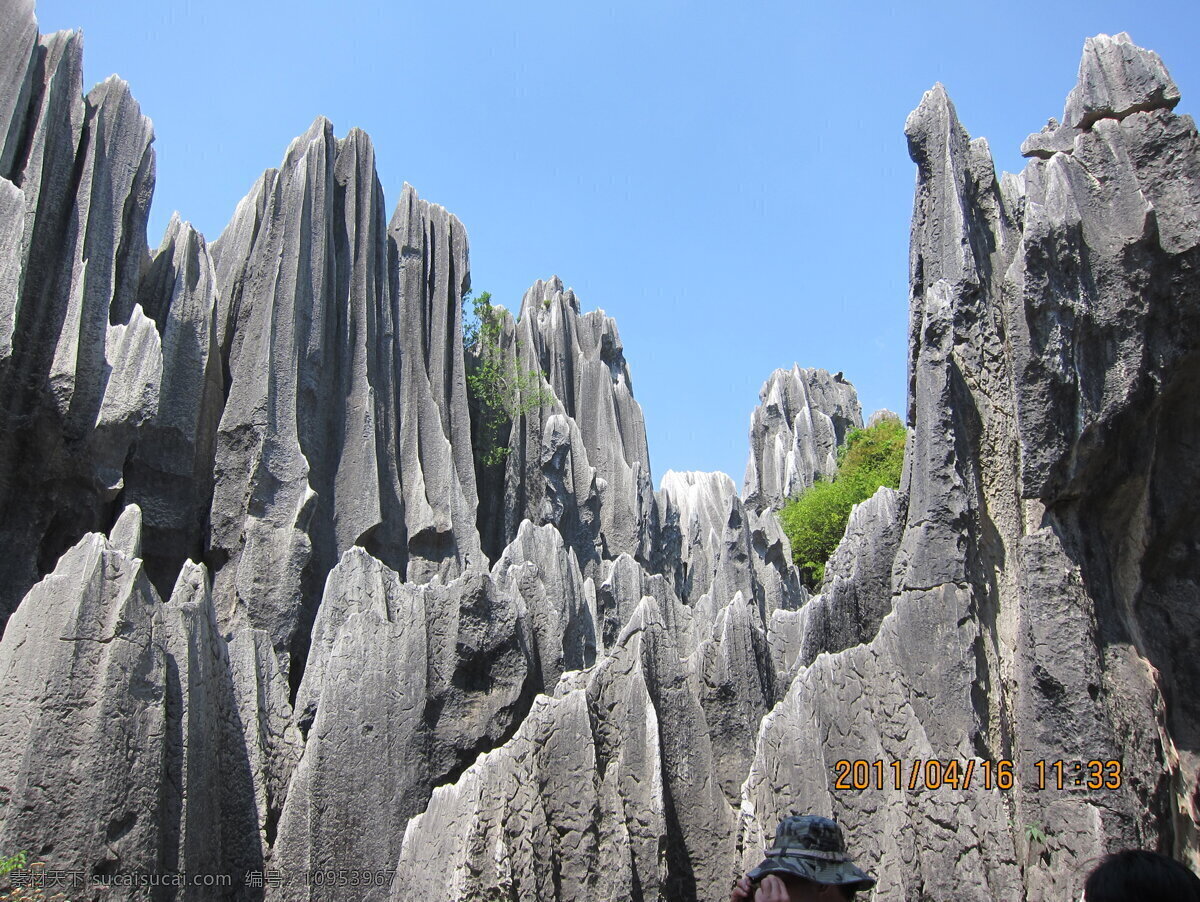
1134,874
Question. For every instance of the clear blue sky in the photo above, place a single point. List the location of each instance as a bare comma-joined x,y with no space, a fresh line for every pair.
731,183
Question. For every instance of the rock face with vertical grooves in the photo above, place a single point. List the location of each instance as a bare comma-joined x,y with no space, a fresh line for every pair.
169,472
81,667
1053,341
346,389
210,817
608,787
85,172
543,680
584,366
405,685
802,417
857,591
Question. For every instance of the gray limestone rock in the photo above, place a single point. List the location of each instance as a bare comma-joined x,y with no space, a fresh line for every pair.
271,500
583,362
1116,78
345,420
290,406
429,273
700,505
802,418
883,415
271,739
12,220
608,790
84,713
18,40
734,679
404,686
132,374
857,591
542,818
726,548
86,175
210,816
1024,621
623,583
559,605
1052,139
170,472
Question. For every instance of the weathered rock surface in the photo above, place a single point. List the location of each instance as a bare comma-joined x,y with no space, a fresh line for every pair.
549,476
1053,340
857,591
275,429
169,473
18,38
1116,78
802,417
122,747
85,171
210,817
543,574
347,395
608,790
726,548
405,686
84,713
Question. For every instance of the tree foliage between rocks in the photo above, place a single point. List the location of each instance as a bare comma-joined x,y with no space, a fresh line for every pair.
500,390
815,520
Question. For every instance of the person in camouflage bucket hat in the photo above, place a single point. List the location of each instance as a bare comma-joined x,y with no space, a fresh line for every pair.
807,862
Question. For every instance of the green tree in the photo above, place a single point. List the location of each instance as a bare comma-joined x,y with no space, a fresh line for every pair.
500,390
815,520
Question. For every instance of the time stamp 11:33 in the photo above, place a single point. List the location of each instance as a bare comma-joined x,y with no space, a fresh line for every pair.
953,773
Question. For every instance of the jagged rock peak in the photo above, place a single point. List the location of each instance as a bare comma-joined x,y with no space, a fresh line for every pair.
77,363
342,340
545,293
1116,78
802,417
883,415
1053,418
582,362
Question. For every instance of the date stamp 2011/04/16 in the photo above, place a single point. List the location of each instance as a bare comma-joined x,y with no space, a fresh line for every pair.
953,773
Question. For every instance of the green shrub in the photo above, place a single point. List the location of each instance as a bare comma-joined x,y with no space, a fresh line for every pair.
12,863
500,390
815,520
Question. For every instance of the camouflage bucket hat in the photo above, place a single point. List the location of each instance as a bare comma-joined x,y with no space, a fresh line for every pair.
812,847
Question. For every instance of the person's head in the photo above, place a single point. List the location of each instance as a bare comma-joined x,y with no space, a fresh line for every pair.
1134,874
801,890
809,856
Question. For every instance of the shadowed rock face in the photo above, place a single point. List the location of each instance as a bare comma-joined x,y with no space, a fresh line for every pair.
1040,558
273,433
77,365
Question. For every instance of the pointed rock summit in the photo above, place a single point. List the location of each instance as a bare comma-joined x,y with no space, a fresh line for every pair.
274,608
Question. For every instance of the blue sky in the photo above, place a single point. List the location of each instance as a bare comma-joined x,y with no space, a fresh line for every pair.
732,184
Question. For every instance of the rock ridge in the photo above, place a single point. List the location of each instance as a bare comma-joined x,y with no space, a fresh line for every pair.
268,611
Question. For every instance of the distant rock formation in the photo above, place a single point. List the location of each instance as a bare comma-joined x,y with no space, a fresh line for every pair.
544,680
802,418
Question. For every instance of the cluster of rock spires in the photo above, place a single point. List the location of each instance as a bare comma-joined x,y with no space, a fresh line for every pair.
268,613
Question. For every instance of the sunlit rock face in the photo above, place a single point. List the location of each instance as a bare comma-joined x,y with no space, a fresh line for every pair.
802,417
270,613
